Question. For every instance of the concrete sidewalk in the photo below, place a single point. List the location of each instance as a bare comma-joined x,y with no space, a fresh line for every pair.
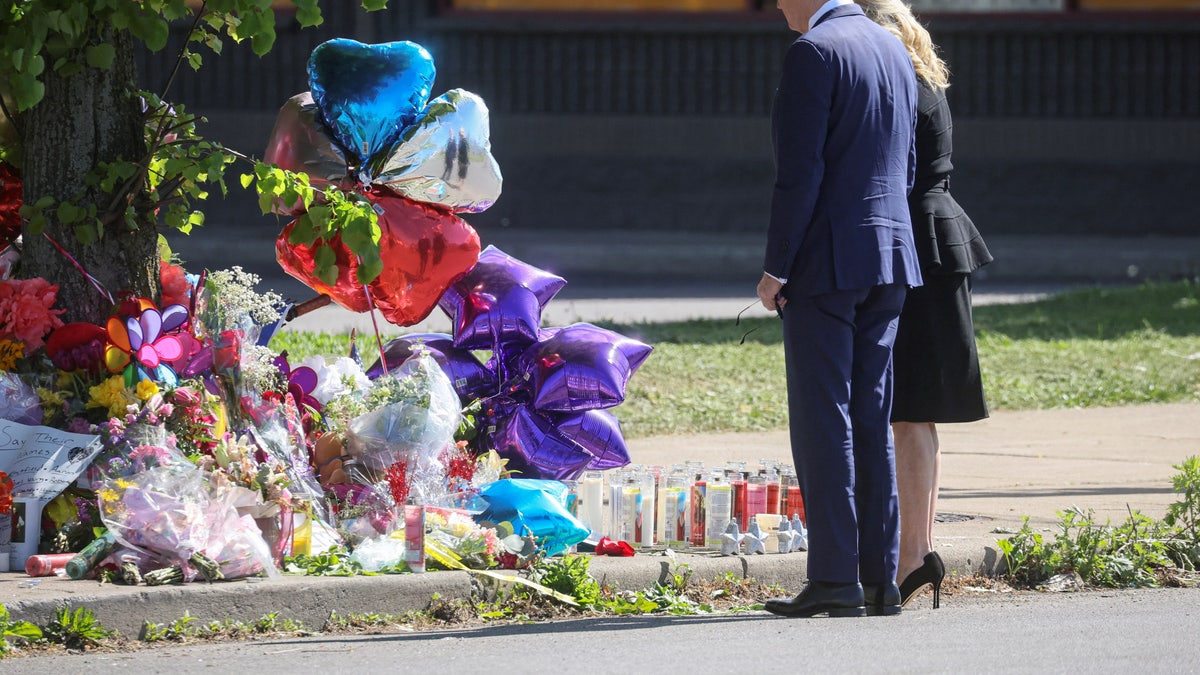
994,472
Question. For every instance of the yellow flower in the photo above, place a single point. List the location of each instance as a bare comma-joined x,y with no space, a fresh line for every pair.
10,351
111,394
146,389
108,495
51,398
124,484
62,510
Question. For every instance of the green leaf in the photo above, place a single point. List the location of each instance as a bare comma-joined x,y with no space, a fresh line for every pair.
246,179
69,214
308,13
86,234
370,266
373,5
326,264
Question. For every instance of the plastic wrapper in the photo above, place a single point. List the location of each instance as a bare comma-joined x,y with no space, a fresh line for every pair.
279,431
19,401
536,507
411,431
170,514
379,552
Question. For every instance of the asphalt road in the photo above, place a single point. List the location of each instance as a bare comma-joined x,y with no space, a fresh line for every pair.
1147,631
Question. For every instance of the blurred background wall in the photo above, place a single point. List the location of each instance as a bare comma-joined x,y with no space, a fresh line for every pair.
1071,116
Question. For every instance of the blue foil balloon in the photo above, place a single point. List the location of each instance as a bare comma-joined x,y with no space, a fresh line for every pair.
368,94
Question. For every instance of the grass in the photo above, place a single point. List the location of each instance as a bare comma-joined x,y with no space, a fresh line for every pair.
1085,348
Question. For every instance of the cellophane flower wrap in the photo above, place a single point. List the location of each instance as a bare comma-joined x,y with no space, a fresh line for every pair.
19,401
171,512
455,530
165,509
400,443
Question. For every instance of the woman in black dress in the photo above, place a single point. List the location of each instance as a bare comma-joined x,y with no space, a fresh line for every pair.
937,378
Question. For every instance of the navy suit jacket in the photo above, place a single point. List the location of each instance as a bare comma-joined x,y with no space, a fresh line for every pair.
843,126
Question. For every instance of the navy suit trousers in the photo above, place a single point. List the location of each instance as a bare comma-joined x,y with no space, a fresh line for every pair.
838,349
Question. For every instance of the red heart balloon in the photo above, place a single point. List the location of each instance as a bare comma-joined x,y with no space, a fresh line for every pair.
424,251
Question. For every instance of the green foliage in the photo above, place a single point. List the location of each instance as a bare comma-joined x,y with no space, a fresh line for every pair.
76,630
15,631
179,167
345,216
569,575
186,628
1139,552
335,562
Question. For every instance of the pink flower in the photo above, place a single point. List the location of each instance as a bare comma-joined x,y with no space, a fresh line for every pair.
25,311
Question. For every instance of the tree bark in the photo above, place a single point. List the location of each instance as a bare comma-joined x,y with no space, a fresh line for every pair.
84,120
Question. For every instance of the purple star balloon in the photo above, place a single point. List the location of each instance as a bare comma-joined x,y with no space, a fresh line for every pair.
532,445
600,434
471,379
580,367
498,304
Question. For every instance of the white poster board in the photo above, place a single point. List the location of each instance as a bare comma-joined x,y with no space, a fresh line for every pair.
42,462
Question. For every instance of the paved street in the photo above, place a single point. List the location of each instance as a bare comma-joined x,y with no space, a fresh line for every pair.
1148,631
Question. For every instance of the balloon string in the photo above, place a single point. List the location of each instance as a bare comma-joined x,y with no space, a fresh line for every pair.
375,324
95,282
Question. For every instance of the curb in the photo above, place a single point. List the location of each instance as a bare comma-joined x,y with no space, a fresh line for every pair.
311,600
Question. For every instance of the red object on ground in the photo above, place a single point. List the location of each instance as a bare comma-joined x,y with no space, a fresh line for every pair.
46,565
617,549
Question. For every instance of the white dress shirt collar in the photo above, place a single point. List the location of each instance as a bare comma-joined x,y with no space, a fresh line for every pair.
825,9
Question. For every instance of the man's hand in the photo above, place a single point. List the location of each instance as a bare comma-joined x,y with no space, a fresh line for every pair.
768,292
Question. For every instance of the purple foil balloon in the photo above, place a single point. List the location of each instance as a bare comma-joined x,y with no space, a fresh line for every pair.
368,94
498,304
580,367
533,446
471,379
600,434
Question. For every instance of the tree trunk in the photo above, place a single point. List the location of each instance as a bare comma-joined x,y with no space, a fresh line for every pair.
86,119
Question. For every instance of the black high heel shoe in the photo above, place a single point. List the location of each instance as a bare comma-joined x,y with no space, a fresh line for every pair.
932,572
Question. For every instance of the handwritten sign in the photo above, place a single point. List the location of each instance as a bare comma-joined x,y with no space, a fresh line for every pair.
43,461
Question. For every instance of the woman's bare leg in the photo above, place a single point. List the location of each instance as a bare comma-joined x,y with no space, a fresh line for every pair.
918,464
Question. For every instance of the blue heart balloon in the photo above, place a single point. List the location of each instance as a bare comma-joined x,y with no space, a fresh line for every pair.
368,94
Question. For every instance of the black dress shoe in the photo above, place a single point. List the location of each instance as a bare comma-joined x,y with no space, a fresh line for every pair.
882,599
819,597
932,572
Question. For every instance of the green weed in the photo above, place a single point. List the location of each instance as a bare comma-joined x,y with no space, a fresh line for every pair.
76,630
1139,552
20,632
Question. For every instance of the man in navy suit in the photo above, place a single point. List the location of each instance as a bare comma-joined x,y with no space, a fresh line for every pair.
839,258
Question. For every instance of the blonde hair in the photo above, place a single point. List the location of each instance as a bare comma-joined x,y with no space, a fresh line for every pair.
898,19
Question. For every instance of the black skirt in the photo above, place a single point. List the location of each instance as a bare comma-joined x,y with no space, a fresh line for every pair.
935,361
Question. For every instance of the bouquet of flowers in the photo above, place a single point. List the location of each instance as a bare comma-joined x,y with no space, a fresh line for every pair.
454,531
164,508
171,516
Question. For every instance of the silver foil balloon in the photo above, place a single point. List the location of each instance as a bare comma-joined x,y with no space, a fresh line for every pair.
445,157
300,143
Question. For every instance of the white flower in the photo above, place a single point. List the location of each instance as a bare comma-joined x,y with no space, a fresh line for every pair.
343,376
